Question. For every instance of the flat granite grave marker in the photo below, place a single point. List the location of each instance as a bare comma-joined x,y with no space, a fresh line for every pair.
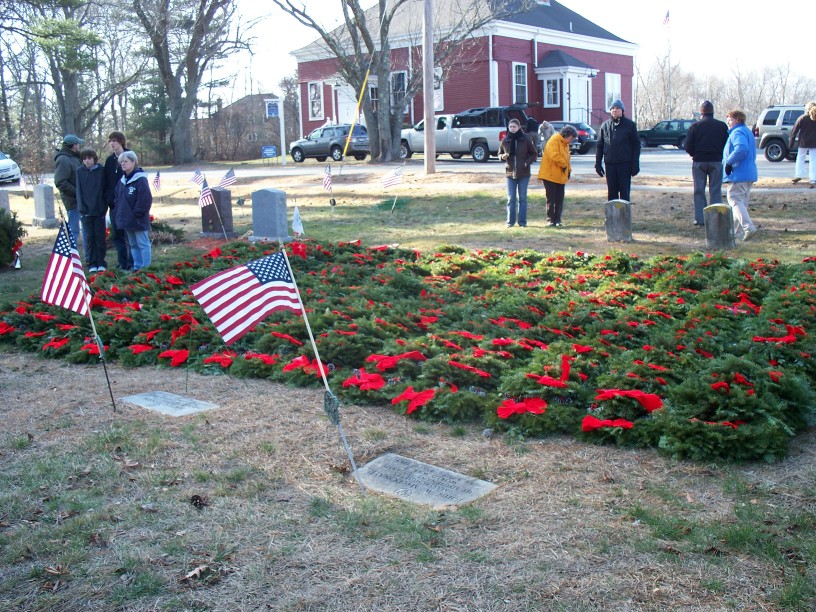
421,483
169,403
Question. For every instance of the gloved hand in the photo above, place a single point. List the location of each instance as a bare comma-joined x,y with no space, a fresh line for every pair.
599,169
635,170
728,169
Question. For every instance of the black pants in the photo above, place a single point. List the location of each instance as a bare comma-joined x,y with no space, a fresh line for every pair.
93,229
618,181
120,243
555,200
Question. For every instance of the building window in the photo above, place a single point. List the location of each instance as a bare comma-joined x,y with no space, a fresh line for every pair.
519,83
613,89
552,93
373,93
398,89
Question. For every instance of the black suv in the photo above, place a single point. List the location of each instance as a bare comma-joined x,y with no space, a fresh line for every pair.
329,141
669,132
587,138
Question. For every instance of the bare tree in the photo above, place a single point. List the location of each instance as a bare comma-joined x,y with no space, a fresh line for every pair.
186,36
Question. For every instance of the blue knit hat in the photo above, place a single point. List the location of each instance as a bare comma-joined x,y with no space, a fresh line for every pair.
617,104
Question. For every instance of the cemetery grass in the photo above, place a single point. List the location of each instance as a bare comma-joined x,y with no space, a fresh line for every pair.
253,505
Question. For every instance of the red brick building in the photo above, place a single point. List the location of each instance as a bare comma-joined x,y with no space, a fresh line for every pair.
564,65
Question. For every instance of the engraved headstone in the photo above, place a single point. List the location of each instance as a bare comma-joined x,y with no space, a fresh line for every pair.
719,227
421,483
169,403
44,207
269,215
216,219
4,201
618,221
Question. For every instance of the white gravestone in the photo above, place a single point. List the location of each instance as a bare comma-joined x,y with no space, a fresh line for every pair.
169,403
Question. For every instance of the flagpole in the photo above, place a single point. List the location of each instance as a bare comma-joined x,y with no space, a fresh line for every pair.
101,348
223,229
329,397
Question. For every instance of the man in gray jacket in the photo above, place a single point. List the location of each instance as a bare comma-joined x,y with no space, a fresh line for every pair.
66,163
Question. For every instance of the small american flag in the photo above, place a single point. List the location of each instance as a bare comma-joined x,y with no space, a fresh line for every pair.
64,284
206,197
238,298
327,179
198,177
229,179
666,19
157,182
393,178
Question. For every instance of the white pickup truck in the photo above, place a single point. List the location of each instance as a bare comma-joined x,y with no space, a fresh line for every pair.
477,132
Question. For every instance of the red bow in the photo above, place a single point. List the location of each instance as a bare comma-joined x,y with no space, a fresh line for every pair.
649,401
417,398
508,407
591,423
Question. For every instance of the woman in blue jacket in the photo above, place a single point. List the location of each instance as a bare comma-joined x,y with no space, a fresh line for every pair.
132,210
739,172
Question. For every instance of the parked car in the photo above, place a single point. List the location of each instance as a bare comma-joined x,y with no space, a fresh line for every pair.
329,141
9,170
476,131
669,132
772,130
587,137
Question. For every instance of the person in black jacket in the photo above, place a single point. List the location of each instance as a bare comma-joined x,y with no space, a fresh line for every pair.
805,131
90,195
705,142
113,172
618,153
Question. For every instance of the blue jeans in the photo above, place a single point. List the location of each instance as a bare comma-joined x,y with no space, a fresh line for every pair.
73,224
517,206
139,248
700,172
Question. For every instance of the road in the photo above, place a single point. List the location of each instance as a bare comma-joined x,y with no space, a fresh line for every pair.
653,162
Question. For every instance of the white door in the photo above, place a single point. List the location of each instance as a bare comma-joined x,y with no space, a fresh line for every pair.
346,104
577,99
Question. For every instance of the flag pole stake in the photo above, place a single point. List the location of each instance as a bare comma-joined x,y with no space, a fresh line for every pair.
320,367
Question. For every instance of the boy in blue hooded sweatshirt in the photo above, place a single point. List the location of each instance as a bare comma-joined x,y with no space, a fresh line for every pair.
90,192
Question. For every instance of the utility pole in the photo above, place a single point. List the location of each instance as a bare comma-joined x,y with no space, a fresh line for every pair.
428,88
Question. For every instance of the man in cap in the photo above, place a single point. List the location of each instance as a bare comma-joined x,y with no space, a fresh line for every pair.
66,162
617,155
705,141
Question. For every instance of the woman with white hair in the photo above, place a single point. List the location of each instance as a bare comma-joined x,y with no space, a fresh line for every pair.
805,129
132,210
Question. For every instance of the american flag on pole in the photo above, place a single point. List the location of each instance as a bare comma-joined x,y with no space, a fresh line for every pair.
198,177
238,298
206,197
392,178
327,178
666,19
157,182
229,179
64,284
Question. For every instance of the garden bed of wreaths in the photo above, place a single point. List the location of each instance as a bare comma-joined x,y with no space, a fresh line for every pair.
702,357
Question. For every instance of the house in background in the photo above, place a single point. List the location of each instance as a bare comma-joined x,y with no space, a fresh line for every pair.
550,57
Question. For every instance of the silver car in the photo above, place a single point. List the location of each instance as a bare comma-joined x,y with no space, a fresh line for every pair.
329,141
9,171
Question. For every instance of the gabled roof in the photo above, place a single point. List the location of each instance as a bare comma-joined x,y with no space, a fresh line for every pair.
559,18
559,59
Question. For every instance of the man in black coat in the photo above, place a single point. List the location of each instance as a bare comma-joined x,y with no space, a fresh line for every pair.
705,142
113,173
618,153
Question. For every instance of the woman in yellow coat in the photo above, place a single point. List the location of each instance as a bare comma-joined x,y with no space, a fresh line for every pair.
555,171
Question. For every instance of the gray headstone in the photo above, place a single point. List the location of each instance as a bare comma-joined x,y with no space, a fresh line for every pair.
169,403
421,483
719,227
269,215
618,221
4,201
44,207
216,219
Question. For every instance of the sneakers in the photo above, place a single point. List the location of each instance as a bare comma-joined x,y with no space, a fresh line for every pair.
796,180
93,269
101,269
747,235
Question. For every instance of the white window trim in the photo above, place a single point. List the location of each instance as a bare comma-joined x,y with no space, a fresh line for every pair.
514,99
557,102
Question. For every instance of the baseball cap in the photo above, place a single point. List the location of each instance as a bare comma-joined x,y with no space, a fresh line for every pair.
72,139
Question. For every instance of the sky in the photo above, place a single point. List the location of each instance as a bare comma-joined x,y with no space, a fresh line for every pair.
705,37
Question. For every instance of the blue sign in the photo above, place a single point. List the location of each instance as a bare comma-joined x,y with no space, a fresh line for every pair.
269,151
271,108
